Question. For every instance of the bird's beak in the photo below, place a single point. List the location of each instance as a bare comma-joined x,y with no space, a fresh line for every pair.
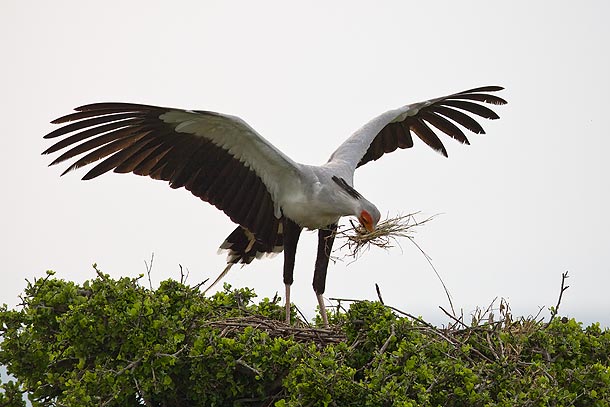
367,225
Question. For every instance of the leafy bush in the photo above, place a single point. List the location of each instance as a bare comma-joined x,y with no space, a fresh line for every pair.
116,343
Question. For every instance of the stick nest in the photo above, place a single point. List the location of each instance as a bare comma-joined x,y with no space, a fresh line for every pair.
231,326
385,236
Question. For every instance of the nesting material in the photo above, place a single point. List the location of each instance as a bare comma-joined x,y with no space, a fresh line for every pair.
385,236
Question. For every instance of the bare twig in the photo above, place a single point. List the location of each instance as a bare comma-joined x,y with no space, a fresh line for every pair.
535,317
149,269
172,355
453,317
198,285
413,317
131,366
303,317
429,260
555,309
183,276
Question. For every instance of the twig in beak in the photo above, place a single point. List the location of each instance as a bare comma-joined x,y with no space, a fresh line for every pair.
358,238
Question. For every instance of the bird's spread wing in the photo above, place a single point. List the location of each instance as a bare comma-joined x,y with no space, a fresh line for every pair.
218,158
393,129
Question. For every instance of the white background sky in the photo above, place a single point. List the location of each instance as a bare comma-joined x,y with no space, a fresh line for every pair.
520,205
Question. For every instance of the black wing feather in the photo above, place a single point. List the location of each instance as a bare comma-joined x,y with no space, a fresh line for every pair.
443,114
127,137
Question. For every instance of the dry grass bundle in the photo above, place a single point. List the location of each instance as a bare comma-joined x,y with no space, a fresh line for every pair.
385,236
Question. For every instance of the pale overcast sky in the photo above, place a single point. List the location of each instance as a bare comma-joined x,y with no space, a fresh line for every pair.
521,205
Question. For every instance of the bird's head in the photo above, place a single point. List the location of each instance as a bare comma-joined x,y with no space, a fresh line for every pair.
369,216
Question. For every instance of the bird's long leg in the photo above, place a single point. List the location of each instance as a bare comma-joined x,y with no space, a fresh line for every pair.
292,231
326,237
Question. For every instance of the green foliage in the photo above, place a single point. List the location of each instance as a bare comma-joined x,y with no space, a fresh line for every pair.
116,343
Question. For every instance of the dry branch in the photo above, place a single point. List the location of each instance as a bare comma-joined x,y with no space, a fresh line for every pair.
555,309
